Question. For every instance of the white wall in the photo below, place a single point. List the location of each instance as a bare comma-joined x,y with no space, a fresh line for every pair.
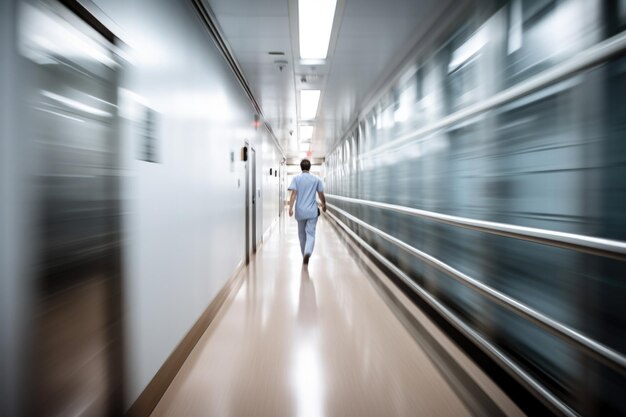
271,158
184,219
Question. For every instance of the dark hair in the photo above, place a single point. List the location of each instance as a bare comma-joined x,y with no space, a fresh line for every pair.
305,165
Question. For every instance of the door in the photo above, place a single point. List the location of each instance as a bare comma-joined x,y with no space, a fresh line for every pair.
280,190
251,201
255,198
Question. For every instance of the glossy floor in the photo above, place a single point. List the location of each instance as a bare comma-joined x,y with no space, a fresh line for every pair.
316,341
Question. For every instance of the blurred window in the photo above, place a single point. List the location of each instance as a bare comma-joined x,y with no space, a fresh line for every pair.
462,69
407,96
354,155
347,156
544,32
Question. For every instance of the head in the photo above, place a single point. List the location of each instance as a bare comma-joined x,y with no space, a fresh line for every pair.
305,165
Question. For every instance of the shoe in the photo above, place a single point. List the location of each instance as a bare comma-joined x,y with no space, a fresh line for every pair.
306,259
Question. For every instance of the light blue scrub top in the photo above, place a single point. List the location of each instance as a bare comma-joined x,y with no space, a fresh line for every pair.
306,185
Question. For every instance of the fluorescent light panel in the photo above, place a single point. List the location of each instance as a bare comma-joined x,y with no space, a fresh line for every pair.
315,21
309,99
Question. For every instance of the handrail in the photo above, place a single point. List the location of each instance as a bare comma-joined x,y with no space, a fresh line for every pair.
599,351
509,365
596,246
595,55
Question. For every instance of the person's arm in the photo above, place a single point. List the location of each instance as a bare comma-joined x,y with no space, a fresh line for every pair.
292,200
323,200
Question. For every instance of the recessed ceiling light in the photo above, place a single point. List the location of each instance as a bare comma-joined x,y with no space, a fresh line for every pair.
309,99
315,21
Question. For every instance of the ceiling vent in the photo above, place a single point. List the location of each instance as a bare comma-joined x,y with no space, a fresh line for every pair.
307,81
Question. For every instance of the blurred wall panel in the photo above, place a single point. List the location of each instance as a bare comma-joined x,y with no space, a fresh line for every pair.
74,360
550,159
14,281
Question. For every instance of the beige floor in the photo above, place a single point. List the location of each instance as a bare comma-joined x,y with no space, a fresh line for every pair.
308,343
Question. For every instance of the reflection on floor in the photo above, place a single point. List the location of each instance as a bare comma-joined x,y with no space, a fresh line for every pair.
308,342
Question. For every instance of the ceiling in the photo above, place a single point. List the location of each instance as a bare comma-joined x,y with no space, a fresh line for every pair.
370,37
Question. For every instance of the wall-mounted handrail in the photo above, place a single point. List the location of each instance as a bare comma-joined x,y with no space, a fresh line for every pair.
597,246
604,354
492,351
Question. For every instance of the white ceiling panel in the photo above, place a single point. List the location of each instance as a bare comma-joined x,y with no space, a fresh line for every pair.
369,38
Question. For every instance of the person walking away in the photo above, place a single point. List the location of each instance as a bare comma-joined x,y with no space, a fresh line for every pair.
303,188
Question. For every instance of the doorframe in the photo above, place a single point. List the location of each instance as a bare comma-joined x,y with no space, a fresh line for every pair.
255,199
250,200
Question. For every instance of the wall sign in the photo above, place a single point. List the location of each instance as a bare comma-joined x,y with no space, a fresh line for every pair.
149,147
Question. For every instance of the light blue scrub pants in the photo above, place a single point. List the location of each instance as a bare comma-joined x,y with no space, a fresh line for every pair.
306,233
